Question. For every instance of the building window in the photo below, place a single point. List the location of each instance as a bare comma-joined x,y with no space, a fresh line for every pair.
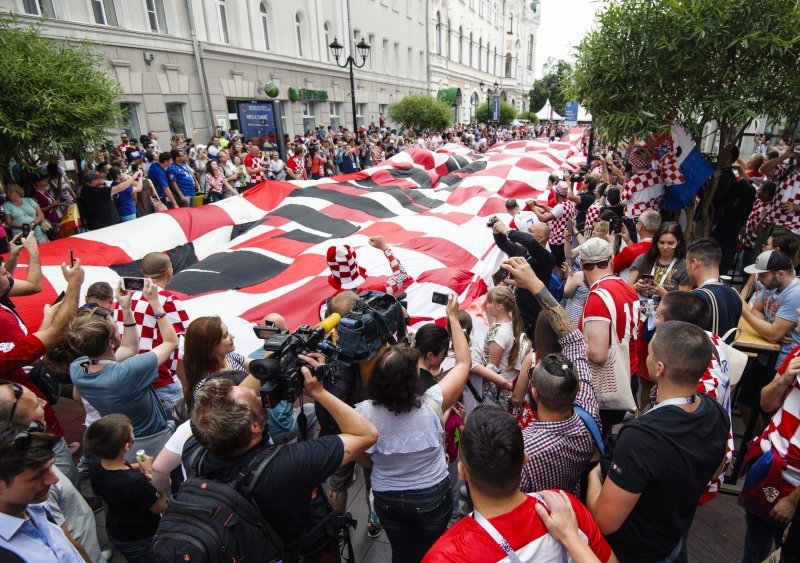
480,49
530,52
361,110
177,124
156,16
421,63
326,30
104,12
508,65
298,32
385,53
265,24
410,62
494,61
223,21
438,33
460,44
471,47
480,8
449,52
335,115
371,43
42,8
396,61
129,120
309,121
488,56
474,101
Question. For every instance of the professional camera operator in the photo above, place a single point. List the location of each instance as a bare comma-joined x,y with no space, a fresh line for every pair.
532,246
229,421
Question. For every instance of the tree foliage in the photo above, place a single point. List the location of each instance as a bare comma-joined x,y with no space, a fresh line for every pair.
696,61
553,86
419,112
55,95
507,113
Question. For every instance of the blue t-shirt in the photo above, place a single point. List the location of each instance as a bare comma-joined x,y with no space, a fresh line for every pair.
183,179
124,387
124,201
160,178
783,304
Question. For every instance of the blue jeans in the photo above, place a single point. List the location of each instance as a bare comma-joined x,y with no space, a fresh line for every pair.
414,519
169,394
133,550
759,537
679,554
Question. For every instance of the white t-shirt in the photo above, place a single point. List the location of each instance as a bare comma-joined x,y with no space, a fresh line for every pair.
503,335
178,440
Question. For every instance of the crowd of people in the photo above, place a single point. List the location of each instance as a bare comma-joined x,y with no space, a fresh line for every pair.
591,420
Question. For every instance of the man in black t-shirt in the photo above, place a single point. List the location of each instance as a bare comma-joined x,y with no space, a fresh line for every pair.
95,202
663,461
229,421
702,265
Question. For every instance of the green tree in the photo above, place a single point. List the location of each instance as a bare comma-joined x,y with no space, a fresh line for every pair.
54,96
419,112
507,113
696,61
553,85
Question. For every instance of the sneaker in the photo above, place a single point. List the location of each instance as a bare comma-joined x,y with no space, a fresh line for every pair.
374,527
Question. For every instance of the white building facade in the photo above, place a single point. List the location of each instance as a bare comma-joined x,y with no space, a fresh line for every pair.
183,65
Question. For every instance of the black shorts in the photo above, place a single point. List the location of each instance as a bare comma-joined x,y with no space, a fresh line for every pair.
755,377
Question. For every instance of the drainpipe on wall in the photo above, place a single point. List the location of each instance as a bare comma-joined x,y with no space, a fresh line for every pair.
201,73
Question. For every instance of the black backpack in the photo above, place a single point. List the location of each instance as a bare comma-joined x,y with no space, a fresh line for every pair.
213,522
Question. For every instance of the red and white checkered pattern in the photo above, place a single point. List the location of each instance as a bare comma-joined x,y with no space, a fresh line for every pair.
783,432
592,215
760,209
564,211
150,336
254,162
345,273
643,191
788,192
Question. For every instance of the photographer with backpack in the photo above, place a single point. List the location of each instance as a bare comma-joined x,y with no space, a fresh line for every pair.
246,498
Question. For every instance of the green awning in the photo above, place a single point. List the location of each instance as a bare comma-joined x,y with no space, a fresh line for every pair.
450,95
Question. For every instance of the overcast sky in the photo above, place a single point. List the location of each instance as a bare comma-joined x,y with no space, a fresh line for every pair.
563,24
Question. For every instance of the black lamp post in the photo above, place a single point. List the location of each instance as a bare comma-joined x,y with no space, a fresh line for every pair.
489,93
363,50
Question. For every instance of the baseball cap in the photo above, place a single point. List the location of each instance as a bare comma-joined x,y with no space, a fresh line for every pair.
594,250
562,188
770,261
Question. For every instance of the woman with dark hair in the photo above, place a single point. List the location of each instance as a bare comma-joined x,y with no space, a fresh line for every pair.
663,267
431,342
410,482
208,348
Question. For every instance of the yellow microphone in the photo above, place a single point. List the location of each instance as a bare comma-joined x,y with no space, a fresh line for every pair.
329,322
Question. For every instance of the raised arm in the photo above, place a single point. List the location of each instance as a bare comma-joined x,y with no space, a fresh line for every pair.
169,338
54,329
130,331
399,275
33,279
453,383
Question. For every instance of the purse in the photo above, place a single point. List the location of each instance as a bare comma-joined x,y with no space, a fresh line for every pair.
612,380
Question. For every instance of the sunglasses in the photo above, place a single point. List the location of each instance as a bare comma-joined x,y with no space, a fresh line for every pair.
17,388
23,440
589,267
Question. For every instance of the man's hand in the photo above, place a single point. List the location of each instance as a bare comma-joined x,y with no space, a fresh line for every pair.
791,372
47,317
312,385
29,243
378,242
530,202
123,297
500,228
73,275
626,236
521,274
150,292
784,509
15,249
560,520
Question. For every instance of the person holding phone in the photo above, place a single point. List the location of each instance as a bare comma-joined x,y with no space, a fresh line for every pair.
21,211
124,197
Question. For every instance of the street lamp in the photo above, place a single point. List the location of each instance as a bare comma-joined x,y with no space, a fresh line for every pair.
363,51
489,92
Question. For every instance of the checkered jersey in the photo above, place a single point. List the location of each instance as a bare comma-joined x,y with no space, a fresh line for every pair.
400,277
254,162
149,335
563,212
643,191
788,192
592,215
760,209
783,432
559,451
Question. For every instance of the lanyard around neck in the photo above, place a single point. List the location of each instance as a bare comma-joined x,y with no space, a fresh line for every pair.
676,401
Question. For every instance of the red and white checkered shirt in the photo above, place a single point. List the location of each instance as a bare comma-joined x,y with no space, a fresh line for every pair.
783,432
592,215
558,452
760,209
563,212
643,191
788,192
149,335
254,162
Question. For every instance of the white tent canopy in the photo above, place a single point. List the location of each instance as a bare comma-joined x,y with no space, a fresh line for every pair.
583,115
547,113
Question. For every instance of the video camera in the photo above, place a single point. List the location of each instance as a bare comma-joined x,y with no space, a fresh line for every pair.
279,374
